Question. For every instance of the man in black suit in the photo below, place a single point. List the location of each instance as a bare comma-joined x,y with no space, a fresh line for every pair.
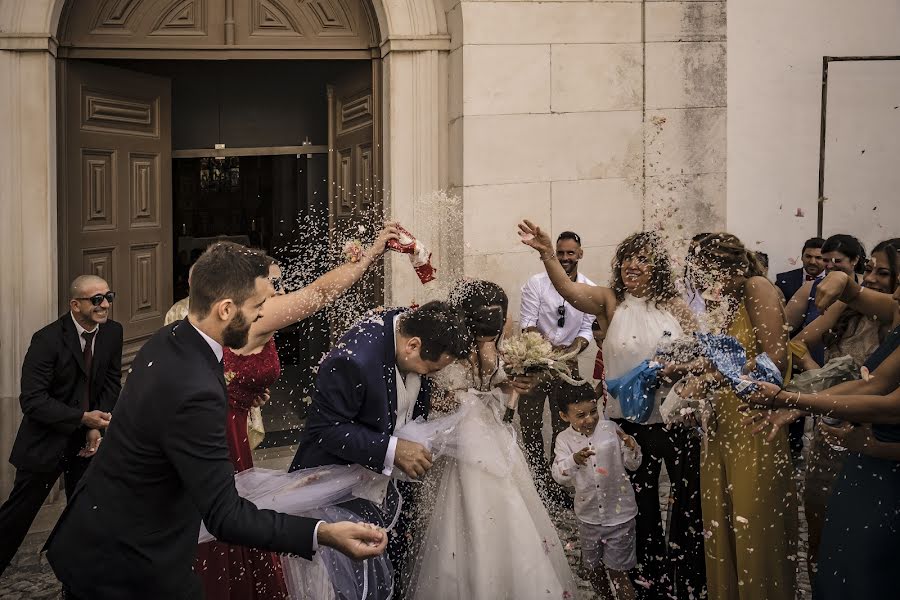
132,526
71,379
813,267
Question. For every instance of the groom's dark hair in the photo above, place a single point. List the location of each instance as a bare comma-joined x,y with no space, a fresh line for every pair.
225,270
442,329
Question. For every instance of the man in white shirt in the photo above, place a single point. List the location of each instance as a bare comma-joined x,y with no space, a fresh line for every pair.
568,329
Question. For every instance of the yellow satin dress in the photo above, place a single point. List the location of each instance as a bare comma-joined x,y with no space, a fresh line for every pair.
749,501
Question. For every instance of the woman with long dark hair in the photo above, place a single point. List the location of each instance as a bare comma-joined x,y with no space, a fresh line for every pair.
841,331
643,308
749,497
841,252
858,554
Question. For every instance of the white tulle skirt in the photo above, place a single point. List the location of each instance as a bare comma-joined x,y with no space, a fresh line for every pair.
487,535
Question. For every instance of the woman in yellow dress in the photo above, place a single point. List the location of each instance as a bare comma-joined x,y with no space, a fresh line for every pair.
749,498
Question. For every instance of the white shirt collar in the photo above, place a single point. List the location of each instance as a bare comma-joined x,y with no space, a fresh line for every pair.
78,326
216,346
400,377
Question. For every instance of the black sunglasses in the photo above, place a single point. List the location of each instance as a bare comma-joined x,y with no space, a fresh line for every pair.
97,299
561,311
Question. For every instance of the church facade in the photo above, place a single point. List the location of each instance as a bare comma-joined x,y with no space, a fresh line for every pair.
138,130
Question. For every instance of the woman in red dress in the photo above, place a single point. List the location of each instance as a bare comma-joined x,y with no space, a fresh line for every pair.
231,572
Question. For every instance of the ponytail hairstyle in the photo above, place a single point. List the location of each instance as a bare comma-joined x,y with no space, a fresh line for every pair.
483,304
850,247
723,254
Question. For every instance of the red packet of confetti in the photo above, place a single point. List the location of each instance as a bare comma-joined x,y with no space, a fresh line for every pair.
419,256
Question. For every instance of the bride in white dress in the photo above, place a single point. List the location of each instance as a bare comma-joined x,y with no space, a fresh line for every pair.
485,533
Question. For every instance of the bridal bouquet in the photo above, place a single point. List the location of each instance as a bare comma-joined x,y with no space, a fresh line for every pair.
530,354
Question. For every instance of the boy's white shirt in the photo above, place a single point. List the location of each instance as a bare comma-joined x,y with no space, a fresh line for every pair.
603,492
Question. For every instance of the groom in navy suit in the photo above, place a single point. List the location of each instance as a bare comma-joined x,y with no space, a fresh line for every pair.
368,386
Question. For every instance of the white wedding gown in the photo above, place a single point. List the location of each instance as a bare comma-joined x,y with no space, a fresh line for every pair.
488,534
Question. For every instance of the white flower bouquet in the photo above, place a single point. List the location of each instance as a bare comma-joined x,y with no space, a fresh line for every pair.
530,354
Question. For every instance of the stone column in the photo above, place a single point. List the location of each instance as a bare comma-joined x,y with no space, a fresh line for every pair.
415,158
28,228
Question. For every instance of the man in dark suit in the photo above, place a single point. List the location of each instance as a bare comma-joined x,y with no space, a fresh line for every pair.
131,529
368,386
813,267
71,379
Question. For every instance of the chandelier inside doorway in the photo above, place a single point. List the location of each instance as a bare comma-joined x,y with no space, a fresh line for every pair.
220,174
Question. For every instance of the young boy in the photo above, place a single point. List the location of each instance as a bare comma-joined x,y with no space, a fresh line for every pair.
591,456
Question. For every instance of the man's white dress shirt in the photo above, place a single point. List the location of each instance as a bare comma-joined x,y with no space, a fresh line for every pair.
540,309
80,330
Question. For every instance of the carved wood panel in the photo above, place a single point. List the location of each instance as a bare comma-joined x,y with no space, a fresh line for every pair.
366,164
345,182
115,197
354,155
144,24
185,17
144,174
355,112
98,209
114,17
106,112
144,268
102,263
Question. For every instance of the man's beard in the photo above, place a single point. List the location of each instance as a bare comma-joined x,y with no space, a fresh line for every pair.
237,333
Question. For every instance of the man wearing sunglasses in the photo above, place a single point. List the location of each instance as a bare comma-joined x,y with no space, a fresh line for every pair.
568,329
71,379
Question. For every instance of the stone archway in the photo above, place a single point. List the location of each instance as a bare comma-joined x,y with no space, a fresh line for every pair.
414,45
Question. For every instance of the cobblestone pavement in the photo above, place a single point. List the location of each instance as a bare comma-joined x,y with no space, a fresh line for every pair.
29,577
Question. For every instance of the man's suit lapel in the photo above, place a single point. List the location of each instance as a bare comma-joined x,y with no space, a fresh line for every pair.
70,338
390,366
186,332
101,349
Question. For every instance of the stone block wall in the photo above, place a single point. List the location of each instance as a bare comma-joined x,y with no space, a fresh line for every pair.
598,117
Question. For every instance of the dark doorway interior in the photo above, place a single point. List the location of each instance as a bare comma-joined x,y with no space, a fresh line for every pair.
278,202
